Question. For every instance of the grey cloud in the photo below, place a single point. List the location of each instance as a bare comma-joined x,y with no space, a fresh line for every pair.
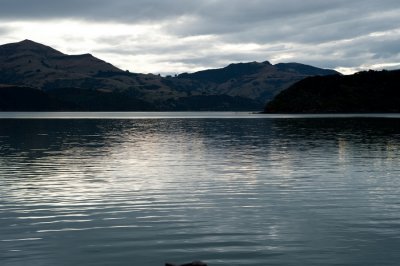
221,12
136,48
372,47
311,23
99,10
385,49
357,53
323,33
260,21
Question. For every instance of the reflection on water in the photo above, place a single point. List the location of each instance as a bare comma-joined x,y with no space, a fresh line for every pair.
226,191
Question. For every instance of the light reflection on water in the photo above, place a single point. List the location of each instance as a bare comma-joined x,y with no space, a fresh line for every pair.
227,191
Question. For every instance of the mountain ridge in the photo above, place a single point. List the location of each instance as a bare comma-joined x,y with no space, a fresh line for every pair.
35,65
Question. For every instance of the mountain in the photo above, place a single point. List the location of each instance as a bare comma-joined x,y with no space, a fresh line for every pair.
257,81
83,80
88,83
27,62
363,92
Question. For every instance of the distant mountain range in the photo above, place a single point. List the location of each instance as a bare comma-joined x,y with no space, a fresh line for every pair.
37,77
363,92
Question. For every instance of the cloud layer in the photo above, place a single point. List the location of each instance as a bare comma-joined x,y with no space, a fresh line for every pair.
170,36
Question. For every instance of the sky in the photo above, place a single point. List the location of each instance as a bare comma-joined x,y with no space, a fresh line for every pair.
175,36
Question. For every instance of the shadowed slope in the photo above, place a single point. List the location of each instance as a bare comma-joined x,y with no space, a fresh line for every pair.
362,92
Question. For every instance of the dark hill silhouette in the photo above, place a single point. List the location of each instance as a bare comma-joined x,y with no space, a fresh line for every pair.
17,98
363,92
100,85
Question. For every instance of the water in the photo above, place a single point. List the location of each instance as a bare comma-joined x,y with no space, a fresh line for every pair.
145,189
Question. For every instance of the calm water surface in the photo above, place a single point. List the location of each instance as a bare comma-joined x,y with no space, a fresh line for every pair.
144,189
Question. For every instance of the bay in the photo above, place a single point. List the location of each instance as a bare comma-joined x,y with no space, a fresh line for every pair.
225,188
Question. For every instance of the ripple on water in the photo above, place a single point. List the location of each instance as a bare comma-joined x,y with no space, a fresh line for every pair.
227,191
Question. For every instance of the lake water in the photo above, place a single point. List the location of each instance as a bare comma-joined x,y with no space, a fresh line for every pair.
225,188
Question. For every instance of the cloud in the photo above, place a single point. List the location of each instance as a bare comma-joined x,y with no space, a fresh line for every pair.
95,10
202,17
169,36
5,30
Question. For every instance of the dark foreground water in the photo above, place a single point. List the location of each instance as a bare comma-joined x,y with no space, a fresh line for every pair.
226,189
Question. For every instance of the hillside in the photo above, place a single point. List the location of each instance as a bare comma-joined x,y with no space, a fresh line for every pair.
257,81
19,98
363,92
27,62
89,83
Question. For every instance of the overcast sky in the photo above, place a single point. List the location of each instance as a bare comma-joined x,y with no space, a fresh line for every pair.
174,36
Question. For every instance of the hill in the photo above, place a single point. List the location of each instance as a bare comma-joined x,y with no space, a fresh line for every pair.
20,98
257,81
89,83
363,92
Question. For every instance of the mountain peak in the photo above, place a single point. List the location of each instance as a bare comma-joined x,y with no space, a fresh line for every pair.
27,41
28,46
28,55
